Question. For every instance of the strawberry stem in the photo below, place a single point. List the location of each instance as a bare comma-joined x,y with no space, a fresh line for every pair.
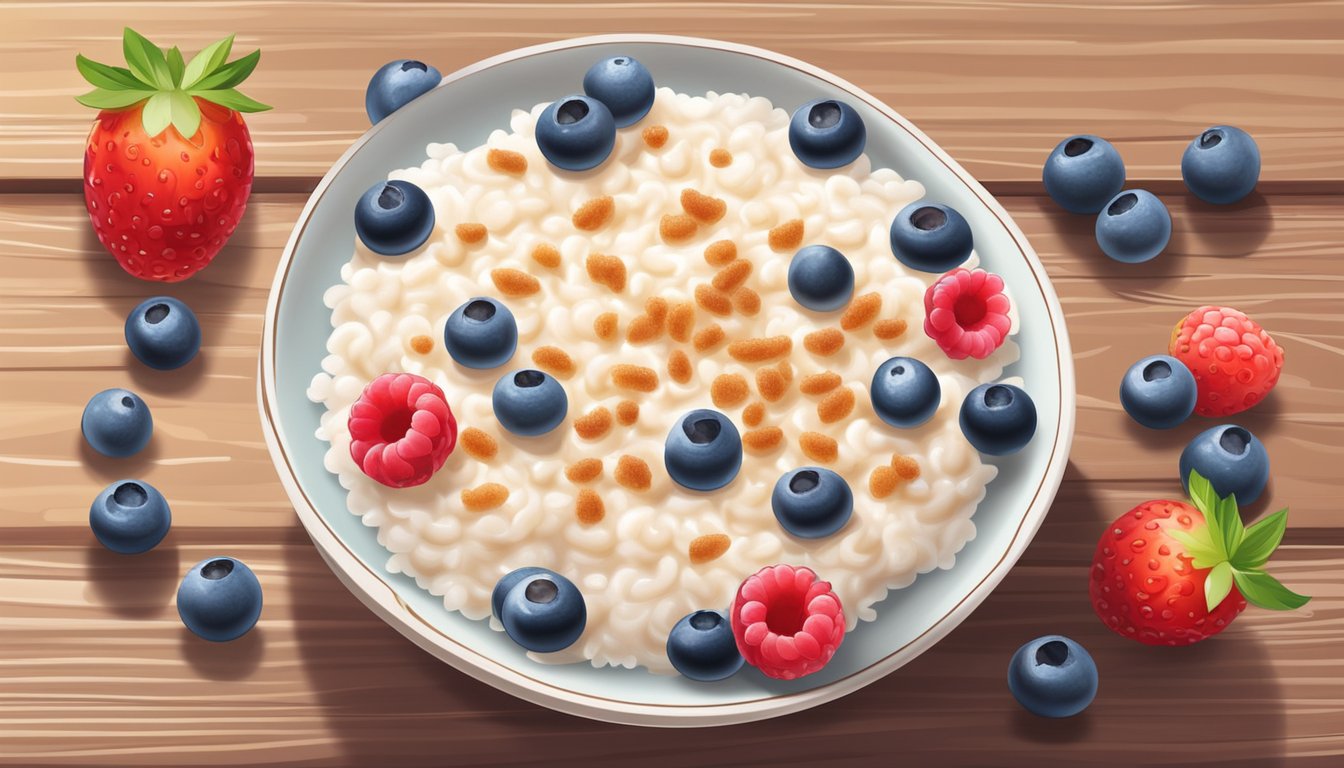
1233,553
166,85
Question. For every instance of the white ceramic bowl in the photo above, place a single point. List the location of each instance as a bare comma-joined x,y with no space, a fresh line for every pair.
465,107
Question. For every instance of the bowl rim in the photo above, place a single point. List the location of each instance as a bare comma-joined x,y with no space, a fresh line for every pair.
381,597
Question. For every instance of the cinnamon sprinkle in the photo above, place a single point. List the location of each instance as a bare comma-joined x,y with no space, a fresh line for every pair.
470,232
588,507
478,444
655,136
484,497
787,236
584,471
633,473
506,161
708,547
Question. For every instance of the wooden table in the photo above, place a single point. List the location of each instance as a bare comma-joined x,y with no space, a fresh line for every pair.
95,667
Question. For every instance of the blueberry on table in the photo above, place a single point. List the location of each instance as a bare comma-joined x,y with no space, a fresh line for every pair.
623,85
394,217
482,333
529,403
163,333
220,599
1053,676
544,612
395,84
116,423
1232,459
812,502
507,583
130,517
576,133
827,134
1221,165
1159,392
905,392
1134,227
701,647
821,278
931,237
998,419
703,451
1083,173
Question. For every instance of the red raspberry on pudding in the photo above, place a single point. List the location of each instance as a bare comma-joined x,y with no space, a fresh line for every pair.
1235,362
401,430
966,313
787,622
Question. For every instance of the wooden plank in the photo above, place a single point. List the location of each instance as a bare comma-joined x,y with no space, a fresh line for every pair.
97,669
63,342
996,83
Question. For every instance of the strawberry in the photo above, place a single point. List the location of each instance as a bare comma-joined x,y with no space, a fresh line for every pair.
168,164
1169,573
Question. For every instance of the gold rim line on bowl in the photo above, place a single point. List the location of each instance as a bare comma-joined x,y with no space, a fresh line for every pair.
499,675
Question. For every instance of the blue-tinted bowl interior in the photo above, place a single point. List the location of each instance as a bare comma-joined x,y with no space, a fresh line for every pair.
465,111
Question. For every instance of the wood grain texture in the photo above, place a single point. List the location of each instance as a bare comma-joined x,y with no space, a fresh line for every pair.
996,83
95,668
98,669
1273,257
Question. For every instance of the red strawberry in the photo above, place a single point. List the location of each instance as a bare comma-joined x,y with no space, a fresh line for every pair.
1235,362
1168,573
168,165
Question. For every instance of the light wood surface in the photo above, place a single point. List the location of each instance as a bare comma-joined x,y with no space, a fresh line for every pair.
96,669
996,83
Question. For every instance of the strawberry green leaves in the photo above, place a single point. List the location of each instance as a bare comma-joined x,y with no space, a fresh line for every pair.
167,85
1265,591
211,58
1233,553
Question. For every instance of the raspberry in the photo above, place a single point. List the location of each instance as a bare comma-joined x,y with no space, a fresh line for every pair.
787,622
401,430
966,313
1235,362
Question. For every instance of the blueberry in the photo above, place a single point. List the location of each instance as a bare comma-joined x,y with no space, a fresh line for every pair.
481,333
576,133
827,134
394,217
623,85
395,84
998,419
1158,392
812,503
1083,174
931,237
1053,676
1221,165
703,451
529,403
507,583
701,647
543,612
220,599
116,423
821,278
130,517
163,333
1232,459
1133,227
905,393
